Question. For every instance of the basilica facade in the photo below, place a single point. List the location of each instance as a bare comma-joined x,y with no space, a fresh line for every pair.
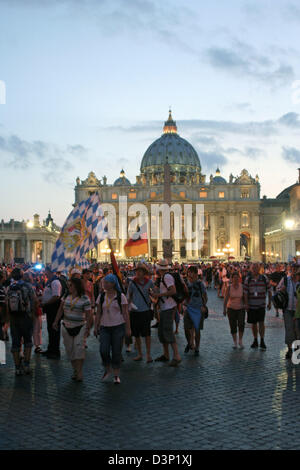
235,215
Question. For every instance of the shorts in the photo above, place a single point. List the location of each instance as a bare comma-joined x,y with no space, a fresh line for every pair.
165,327
256,315
140,323
236,320
74,345
21,326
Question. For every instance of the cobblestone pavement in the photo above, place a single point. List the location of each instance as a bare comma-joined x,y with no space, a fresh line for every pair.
223,399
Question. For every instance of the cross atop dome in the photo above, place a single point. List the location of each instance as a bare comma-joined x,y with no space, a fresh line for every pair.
170,125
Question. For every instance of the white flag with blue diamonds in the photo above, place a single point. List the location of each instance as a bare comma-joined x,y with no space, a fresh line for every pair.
85,227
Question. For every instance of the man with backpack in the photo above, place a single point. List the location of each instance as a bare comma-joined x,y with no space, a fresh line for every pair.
20,299
50,303
195,310
167,305
256,288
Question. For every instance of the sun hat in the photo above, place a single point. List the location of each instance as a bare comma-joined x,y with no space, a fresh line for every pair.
163,265
142,266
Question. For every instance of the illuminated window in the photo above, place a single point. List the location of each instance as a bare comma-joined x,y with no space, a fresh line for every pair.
221,195
132,195
182,194
203,194
245,219
114,196
152,194
244,194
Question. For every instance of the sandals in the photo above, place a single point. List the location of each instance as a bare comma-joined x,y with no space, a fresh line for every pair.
137,359
117,380
162,359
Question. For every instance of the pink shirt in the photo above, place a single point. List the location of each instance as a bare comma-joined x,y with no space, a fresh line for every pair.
111,315
235,300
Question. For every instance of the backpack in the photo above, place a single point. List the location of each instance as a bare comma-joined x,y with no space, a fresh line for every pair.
181,289
102,296
18,299
280,300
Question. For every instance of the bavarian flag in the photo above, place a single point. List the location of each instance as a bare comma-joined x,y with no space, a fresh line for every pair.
138,243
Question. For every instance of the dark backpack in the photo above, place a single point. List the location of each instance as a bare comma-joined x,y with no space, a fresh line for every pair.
102,296
181,289
18,299
280,300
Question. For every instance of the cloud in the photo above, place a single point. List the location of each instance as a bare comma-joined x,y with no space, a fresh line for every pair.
21,154
290,120
252,152
199,128
291,154
212,159
242,59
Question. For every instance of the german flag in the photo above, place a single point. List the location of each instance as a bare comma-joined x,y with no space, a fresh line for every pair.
138,243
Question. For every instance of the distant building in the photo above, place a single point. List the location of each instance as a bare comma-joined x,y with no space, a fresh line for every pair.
29,241
282,237
235,214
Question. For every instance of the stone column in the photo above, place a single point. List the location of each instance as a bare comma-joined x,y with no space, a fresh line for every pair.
28,252
255,237
13,249
212,234
1,251
234,234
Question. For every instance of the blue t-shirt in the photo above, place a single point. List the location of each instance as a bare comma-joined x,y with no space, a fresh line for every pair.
136,297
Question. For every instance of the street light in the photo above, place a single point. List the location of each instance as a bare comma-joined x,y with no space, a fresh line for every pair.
106,251
228,250
289,224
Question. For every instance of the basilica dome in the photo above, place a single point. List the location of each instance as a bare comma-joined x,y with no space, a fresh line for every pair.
122,180
171,148
218,179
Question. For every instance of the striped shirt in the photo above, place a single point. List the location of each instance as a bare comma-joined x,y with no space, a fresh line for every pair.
75,310
256,291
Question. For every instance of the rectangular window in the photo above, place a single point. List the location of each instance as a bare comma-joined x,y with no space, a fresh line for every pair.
114,196
152,194
245,194
132,195
221,194
203,194
182,194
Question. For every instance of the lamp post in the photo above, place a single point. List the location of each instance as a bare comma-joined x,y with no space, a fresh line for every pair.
105,251
228,250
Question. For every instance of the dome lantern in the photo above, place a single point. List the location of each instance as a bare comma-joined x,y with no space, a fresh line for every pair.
170,125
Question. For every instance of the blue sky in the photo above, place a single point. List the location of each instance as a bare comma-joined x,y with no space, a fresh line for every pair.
89,84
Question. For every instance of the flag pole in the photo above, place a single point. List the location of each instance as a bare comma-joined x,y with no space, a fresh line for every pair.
115,266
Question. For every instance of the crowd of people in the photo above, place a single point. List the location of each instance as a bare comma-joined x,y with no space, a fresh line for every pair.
121,308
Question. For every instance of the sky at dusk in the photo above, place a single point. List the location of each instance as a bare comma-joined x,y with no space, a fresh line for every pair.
89,84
